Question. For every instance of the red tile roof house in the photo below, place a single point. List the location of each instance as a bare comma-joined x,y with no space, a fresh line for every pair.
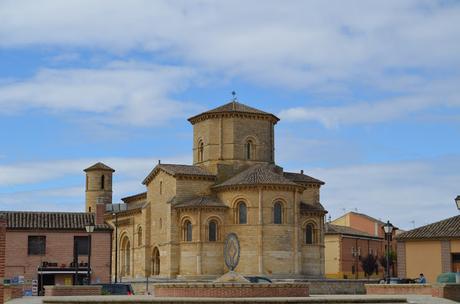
42,248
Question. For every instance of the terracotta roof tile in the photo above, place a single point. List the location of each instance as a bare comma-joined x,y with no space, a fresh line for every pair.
138,196
201,201
50,220
178,170
260,174
345,230
302,178
233,107
448,228
312,208
99,166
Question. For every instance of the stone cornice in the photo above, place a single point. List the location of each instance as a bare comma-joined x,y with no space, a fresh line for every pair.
204,116
298,188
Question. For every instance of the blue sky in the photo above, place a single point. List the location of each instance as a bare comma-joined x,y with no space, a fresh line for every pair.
367,93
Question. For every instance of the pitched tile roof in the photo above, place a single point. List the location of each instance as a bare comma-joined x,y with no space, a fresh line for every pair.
448,228
99,166
127,199
260,174
178,170
201,201
25,220
233,107
312,208
302,178
345,230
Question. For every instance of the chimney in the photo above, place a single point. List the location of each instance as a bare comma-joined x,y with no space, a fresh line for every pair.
100,210
301,171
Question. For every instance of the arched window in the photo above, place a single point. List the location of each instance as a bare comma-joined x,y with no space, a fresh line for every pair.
102,182
242,213
125,259
200,151
212,231
187,231
278,213
156,261
139,236
249,150
309,234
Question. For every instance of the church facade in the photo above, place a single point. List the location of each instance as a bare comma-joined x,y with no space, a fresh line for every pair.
177,227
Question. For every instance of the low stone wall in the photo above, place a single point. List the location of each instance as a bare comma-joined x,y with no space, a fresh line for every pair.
12,292
72,290
333,287
447,291
398,289
231,290
317,286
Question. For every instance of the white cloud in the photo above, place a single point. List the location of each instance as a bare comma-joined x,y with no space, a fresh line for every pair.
428,95
420,190
120,93
299,44
28,173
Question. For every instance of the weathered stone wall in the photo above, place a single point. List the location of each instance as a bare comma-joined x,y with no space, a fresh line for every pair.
392,289
231,290
73,290
94,189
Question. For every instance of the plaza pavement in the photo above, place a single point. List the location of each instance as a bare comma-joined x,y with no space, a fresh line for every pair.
412,299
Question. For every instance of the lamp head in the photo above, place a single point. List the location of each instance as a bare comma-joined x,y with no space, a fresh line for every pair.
457,202
388,228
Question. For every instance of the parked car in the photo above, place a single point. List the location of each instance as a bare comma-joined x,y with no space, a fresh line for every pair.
117,289
257,279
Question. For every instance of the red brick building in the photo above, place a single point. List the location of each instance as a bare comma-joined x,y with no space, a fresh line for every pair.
344,247
2,253
51,248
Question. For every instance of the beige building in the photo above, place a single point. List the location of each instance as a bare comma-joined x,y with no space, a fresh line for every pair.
176,228
431,249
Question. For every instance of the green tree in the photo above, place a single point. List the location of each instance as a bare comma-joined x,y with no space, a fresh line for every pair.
392,260
369,264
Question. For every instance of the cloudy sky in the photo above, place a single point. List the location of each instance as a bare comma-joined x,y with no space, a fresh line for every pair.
367,92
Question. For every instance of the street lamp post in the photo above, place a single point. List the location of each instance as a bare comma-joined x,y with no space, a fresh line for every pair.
89,229
115,209
457,202
388,229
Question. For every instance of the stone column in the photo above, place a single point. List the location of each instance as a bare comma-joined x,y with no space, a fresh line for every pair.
260,234
199,245
401,254
296,234
446,259
221,139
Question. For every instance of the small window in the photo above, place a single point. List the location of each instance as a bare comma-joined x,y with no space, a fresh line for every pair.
200,151
102,182
242,213
161,187
212,231
36,245
249,150
81,243
187,231
89,209
309,234
139,236
278,213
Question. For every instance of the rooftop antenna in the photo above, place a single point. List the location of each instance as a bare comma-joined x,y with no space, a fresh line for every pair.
233,100
413,223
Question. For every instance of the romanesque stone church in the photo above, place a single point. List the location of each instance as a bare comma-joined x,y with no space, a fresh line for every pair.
176,228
